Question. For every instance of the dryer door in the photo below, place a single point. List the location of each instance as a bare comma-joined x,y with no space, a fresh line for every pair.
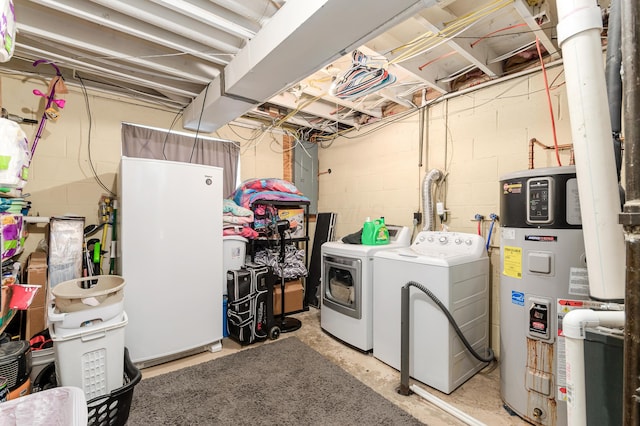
342,284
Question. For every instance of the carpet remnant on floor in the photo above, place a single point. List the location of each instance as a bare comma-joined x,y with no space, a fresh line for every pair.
283,382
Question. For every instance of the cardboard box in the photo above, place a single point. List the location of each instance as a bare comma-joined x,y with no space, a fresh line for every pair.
5,313
36,274
293,297
35,318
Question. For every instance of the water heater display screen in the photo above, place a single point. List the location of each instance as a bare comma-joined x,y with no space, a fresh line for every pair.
539,197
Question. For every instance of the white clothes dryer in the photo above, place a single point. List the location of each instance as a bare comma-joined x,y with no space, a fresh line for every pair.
455,268
347,287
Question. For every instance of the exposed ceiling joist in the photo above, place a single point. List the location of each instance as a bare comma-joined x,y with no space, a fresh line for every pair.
311,106
535,16
126,24
177,23
288,49
212,15
220,59
349,105
478,57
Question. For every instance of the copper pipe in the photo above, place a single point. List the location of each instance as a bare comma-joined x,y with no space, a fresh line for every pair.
534,142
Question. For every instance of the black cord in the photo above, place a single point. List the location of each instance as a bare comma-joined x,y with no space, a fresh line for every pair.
491,355
204,101
93,170
166,136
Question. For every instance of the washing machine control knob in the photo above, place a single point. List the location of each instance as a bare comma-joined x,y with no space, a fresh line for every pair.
443,240
468,242
430,239
421,238
458,241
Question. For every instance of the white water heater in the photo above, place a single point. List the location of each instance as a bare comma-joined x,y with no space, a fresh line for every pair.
543,276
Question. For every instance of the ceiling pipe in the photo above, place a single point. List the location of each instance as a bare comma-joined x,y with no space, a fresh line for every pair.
614,80
579,29
630,218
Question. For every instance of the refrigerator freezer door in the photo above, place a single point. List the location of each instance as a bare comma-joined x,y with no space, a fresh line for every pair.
171,257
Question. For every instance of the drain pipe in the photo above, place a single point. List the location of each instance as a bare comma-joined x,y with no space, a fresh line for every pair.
404,388
630,218
573,328
579,28
614,81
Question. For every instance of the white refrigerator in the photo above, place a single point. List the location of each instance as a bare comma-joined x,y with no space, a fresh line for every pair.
170,256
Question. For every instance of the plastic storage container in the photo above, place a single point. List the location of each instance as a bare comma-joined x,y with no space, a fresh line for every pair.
39,360
234,248
57,406
91,357
107,410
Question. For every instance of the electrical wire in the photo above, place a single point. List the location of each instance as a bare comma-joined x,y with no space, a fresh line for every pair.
546,85
431,40
195,141
93,170
166,136
492,33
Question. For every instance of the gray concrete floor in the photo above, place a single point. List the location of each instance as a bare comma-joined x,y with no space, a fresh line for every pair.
478,398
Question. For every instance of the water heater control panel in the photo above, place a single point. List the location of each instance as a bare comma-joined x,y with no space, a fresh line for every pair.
540,198
445,244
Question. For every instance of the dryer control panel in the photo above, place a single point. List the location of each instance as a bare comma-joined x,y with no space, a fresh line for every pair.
448,244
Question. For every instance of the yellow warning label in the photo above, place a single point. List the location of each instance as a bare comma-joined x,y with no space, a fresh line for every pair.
513,188
513,262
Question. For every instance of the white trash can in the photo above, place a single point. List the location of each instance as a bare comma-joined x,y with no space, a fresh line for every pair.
234,248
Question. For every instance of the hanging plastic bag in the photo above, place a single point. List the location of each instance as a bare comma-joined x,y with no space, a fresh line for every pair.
15,156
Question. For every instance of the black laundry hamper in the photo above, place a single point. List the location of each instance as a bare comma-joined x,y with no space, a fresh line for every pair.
106,410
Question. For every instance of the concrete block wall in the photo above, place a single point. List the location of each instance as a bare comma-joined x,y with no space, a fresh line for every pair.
61,180
474,138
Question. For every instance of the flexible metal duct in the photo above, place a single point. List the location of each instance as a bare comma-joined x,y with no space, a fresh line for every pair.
427,197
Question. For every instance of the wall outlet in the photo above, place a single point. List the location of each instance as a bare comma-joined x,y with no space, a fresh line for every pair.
417,218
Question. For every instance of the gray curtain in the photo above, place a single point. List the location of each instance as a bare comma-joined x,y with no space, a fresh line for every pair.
145,142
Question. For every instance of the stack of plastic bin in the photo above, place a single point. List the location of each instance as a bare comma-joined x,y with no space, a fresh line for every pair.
87,323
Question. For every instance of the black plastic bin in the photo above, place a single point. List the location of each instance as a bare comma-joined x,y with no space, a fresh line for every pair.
106,410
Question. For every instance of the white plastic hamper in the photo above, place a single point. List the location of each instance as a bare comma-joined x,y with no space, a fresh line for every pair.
91,358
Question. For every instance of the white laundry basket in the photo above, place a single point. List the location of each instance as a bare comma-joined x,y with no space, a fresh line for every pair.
90,357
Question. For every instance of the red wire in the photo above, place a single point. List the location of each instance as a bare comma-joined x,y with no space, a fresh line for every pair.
479,231
510,27
546,85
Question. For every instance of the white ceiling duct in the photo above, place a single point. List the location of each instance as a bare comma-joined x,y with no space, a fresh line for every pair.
301,38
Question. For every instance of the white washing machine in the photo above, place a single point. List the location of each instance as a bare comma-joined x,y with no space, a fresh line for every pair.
455,268
347,293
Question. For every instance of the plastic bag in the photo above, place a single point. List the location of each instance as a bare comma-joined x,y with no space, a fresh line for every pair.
15,157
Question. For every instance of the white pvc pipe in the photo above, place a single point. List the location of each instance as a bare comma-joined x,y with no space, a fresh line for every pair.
579,28
573,328
460,415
